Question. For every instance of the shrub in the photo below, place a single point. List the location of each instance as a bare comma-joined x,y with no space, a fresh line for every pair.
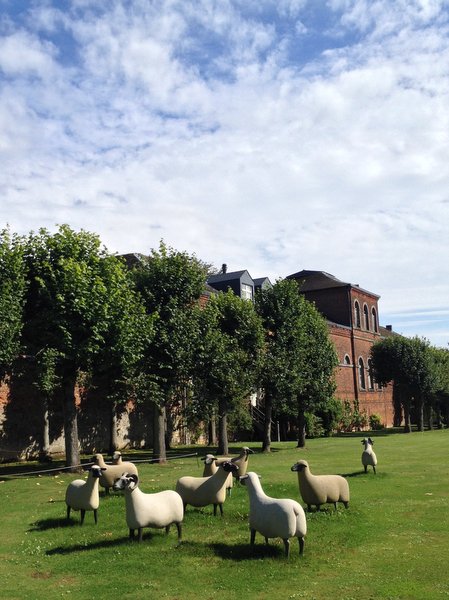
375,422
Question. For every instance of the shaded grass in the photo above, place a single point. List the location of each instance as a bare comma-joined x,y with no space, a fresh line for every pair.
392,543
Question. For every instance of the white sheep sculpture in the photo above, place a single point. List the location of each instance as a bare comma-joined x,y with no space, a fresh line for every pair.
159,510
369,457
117,458
273,517
83,494
321,489
211,466
112,472
202,491
242,461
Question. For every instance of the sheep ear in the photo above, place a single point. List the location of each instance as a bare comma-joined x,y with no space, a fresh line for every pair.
134,478
370,441
103,469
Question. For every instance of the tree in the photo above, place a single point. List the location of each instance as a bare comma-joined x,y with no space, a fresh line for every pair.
228,357
170,283
280,308
70,309
316,365
12,297
407,362
440,357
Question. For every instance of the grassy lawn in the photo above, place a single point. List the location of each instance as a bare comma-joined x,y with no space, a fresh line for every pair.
392,542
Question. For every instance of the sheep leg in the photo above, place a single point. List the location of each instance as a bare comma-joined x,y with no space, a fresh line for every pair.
266,541
301,545
83,512
346,504
366,468
179,528
140,534
335,505
131,534
287,547
253,537
309,507
167,529
374,469
95,516
68,512
215,510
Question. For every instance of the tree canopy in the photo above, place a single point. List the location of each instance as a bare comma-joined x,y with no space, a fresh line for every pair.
228,357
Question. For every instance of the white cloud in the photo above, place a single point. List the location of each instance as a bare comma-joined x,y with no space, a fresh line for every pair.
191,121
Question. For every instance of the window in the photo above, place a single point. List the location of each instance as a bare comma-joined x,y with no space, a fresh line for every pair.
362,383
346,360
357,314
374,318
366,317
246,291
370,375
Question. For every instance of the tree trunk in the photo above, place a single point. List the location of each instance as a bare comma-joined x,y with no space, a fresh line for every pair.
407,421
44,454
420,413
159,452
72,453
223,447
113,439
301,428
266,441
212,432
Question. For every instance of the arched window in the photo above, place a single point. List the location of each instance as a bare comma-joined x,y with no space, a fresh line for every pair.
362,383
346,360
357,322
370,375
366,317
374,318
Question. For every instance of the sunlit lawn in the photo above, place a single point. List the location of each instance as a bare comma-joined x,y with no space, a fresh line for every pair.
392,542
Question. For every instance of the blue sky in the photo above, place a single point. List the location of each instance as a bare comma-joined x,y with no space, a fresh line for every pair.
272,135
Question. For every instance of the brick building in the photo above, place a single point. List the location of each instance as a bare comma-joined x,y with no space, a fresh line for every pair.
353,319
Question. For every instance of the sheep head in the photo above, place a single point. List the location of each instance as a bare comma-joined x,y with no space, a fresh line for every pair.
367,441
300,466
229,467
251,475
209,459
128,481
96,471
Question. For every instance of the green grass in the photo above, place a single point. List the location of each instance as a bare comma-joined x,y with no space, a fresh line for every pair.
393,541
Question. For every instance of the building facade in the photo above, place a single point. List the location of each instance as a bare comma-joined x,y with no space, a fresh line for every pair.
352,315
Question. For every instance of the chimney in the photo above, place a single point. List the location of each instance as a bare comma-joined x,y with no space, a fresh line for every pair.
389,327
224,268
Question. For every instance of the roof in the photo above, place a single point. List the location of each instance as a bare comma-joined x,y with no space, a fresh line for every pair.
320,280
226,276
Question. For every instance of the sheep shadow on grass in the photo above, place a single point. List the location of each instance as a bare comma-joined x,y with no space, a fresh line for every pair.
239,552
86,547
45,524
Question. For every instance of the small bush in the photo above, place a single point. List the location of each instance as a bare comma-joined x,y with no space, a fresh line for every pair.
375,422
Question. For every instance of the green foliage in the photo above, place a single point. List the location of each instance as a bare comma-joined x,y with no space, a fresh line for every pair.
12,294
170,283
352,418
409,363
230,350
375,422
228,356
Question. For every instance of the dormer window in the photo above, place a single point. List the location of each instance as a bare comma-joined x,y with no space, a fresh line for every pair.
246,291
357,321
